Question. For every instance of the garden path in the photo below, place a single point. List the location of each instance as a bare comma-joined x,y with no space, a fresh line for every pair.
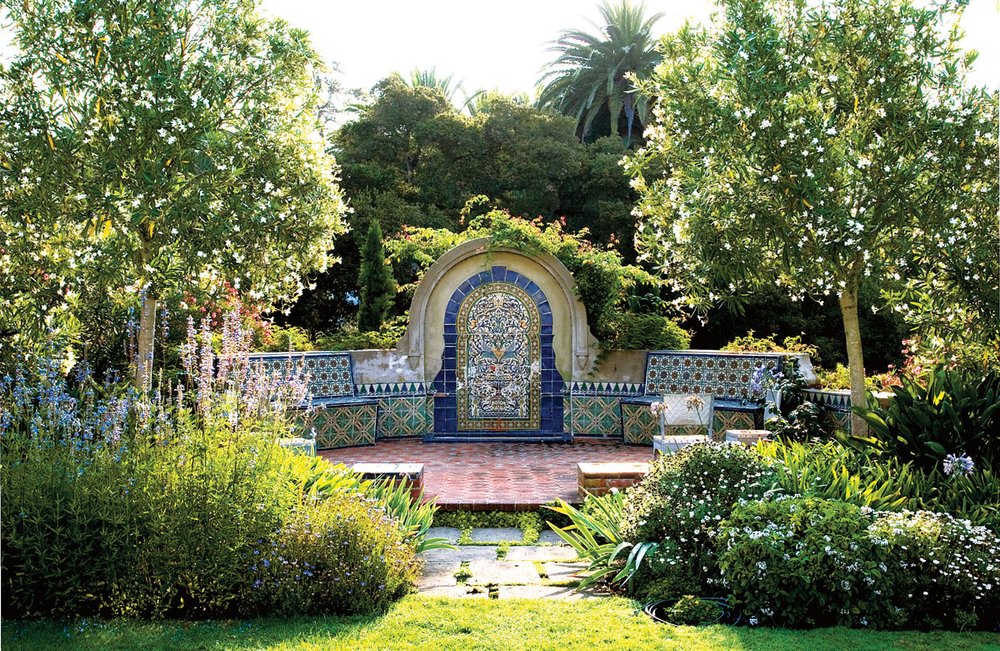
507,570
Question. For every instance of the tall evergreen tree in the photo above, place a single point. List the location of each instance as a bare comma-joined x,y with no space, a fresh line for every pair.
377,285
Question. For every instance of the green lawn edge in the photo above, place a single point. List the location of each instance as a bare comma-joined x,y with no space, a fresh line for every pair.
420,622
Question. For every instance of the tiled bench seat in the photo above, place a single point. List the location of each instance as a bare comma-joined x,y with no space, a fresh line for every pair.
639,425
335,415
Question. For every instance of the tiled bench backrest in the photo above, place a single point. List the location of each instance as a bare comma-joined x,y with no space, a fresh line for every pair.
726,376
331,375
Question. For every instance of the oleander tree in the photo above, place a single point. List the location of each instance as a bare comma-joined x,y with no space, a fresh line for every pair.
155,150
819,147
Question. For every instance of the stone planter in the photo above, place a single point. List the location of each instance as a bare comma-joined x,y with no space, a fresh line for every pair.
727,614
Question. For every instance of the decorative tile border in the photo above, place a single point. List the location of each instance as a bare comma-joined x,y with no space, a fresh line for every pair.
330,374
830,400
723,375
603,388
385,390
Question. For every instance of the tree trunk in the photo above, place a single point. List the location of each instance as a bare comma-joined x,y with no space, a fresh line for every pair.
147,329
855,357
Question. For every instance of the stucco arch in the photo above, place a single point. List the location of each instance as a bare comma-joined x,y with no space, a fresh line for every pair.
423,343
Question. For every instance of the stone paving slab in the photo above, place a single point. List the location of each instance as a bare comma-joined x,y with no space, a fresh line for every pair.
463,553
543,592
456,591
541,553
439,574
550,537
451,534
563,571
497,534
503,572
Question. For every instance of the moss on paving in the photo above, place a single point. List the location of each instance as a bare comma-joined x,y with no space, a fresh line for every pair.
439,623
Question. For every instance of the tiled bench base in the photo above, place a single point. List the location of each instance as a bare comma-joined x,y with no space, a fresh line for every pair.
600,478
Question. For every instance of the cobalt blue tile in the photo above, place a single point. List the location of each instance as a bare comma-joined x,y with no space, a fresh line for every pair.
450,329
465,287
546,330
546,318
499,273
452,307
521,282
544,308
531,288
484,277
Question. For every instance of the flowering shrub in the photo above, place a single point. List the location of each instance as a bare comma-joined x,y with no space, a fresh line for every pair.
120,504
803,562
679,505
343,556
943,571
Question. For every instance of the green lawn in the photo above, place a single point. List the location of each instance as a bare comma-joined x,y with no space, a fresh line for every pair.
436,623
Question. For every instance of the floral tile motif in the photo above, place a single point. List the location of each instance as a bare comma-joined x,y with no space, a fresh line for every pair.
341,426
329,374
405,416
721,375
593,416
498,366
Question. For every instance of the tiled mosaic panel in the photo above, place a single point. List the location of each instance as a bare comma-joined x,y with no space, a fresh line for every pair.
329,374
343,426
639,425
405,416
723,376
593,416
498,380
724,420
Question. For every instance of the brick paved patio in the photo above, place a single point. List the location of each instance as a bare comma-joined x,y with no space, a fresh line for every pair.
494,476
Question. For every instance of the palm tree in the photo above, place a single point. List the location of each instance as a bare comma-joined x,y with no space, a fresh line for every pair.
430,79
591,76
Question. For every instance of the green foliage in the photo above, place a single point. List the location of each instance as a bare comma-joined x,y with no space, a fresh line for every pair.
377,286
751,344
783,125
840,378
833,471
803,423
529,522
692,611
603,281
679,504
942,570
630,331
349,337
594,74
595,533
281,339
163,147
950,412
803,562
345,555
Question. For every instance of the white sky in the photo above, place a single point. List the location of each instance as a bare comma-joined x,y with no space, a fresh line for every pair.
502,43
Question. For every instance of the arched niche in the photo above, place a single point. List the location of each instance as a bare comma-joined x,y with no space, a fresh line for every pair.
574,347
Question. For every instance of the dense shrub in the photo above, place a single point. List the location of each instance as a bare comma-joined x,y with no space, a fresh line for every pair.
950,412
137,506
943,571
341,556
629,331
679,504
864,478
803,562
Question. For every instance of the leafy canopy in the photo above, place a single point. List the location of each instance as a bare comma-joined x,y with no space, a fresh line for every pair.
157,147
